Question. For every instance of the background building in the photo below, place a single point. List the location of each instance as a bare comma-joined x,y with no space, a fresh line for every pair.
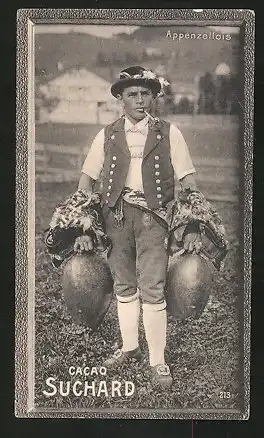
76,96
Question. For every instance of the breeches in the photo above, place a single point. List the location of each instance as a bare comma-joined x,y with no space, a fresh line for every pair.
138,260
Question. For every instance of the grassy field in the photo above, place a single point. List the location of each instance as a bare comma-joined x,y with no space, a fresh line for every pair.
205,355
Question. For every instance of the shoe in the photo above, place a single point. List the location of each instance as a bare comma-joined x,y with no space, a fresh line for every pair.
161,376
120,357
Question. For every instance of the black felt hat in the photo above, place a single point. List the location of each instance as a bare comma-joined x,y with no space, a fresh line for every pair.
136,75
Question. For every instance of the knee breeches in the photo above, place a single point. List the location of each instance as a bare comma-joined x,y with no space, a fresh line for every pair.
138,260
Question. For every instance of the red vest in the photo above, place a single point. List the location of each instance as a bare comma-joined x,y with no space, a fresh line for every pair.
157,170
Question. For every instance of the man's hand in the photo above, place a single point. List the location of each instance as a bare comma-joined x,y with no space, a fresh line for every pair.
192,242
83,244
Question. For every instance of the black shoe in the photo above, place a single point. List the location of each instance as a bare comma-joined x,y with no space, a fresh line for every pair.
161,376
120,357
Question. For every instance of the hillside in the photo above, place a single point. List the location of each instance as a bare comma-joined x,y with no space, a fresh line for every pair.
72,49
183,59
191,56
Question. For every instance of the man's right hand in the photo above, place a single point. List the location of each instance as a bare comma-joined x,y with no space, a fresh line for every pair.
83,244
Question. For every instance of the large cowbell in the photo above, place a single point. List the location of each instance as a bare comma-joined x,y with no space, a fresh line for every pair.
188,286
87,288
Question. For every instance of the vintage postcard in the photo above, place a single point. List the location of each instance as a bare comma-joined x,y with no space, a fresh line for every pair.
133,213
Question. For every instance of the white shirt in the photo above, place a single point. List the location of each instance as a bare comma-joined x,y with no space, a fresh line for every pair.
136,136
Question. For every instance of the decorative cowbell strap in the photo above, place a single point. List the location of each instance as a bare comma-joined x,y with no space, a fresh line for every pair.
79,215
191,207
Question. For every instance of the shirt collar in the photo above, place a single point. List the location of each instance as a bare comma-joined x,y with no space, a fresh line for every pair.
141,126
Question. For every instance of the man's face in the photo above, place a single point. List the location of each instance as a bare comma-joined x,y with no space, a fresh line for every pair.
135,100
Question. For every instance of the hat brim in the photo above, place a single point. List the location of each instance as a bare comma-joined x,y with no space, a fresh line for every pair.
119,86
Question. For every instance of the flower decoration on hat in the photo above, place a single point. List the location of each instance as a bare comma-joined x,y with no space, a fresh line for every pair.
149,74
146,74
164,83
138,75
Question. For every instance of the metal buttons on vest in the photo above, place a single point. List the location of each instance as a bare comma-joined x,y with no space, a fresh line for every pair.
157,173
156,165
113,165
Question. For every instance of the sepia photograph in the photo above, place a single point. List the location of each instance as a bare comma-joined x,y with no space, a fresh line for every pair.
138,202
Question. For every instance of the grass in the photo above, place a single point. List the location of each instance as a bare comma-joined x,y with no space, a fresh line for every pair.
205,355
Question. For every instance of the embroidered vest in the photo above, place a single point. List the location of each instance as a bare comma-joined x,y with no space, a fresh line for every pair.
157,170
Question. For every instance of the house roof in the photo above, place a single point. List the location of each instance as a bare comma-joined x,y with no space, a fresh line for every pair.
79,77
97,88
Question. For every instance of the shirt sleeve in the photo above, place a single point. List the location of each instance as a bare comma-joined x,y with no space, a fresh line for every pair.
94,160
180,156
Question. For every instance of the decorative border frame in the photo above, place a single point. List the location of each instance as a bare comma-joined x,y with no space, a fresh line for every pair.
25,191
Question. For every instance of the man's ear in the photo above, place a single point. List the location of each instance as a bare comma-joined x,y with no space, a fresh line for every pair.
119,97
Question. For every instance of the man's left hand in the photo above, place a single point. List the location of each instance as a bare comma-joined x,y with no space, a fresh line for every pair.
192,242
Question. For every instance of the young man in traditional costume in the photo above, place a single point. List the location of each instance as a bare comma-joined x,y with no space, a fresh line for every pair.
138,158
